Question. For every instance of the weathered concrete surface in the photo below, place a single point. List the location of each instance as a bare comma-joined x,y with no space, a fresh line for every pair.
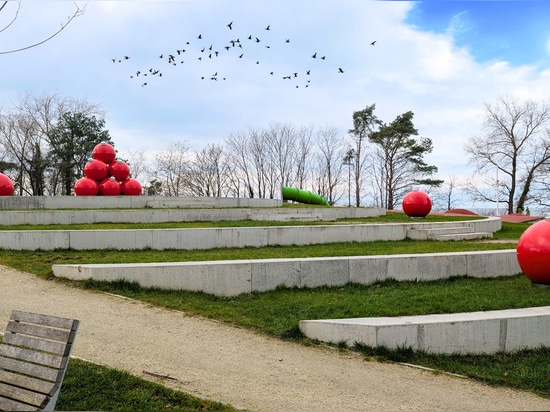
125,202
227,278
160,215
473,332
210,238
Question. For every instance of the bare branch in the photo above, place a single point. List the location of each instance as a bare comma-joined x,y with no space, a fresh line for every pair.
14,17
78,12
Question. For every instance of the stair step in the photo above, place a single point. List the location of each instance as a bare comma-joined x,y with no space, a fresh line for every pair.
462,236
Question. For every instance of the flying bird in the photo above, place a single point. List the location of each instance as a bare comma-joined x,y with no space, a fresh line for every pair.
229,25
340,70
199,36
372,44
267,28
314,55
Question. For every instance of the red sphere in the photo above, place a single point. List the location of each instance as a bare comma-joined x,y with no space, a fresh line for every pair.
131,187
86,187
417,204
6,185
119,170
96,169
533,252
104,152
109,187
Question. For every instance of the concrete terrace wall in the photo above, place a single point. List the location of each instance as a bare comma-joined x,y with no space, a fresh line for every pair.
210,238
127,202
228,278
159,215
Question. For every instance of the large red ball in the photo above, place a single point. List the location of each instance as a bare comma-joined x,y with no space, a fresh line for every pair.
104,152
86,187
119,170
6,185
131,187
533,252
96,169
109,187
417,204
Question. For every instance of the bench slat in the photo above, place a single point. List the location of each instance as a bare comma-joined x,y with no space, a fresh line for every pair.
39,344
28,355
23,395
34,354
38,331
46,320
11,405
37,371
33,384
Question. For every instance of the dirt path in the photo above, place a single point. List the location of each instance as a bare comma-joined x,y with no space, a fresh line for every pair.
241,368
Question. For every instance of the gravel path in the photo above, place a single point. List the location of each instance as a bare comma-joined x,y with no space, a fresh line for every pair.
239,367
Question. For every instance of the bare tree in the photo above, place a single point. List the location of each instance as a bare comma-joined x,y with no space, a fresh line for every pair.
172,168
209,172
331,153
137,161
79,10
513,152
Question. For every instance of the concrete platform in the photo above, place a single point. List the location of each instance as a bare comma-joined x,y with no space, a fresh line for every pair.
234,277
475,332
128,202
161,215
210,238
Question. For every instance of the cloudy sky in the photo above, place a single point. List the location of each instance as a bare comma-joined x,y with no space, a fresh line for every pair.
440,59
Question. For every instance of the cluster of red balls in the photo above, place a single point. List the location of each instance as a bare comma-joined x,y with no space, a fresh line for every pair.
106,176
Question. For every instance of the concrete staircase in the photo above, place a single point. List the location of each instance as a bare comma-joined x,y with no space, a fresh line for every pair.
462,231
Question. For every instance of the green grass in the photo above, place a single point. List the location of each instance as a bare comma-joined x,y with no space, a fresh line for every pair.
90,387
389,218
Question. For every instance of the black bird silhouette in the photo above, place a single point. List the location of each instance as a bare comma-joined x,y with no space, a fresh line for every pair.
229,25
257,40
126,57
268,27
250,37
323,58
199,36
287,40
114,60
372,44
340,70
314,55
241,56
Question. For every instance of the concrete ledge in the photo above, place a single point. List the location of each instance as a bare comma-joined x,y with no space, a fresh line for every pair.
228,278
208,238
134,215
125,202
475,332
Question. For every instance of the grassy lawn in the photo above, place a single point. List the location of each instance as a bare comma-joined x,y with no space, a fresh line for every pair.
278,312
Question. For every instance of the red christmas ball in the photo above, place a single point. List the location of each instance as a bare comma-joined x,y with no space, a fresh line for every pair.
109,187
104,152
86,187
6,185
417,204
96,169
533,252
119,170
131,187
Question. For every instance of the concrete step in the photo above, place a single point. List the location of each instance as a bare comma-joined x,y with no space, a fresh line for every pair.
466,333
463,236
429,233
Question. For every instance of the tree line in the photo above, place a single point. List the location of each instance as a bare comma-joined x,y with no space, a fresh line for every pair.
47,140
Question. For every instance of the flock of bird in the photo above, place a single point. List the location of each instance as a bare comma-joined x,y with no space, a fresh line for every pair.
202,51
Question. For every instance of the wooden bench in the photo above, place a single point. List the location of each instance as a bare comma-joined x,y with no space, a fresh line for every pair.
34,354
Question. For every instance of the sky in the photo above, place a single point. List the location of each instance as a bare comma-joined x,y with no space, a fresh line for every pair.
442,60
